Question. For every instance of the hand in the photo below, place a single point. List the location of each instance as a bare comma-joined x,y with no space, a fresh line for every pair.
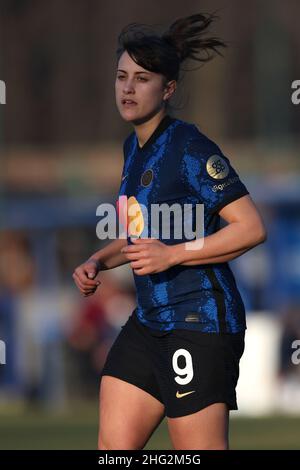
148,256
84,277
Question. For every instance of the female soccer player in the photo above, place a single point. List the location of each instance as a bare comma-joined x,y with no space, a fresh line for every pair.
178,354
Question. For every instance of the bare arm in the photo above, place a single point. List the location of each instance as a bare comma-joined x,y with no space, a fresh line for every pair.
245,230
110,256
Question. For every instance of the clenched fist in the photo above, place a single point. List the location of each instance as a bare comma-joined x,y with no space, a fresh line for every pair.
84,277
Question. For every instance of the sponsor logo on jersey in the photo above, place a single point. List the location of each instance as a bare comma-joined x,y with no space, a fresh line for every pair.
221,186
217,167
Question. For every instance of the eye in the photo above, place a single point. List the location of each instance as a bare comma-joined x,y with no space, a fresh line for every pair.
121,77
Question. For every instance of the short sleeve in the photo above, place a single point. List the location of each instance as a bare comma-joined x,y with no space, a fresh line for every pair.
208,174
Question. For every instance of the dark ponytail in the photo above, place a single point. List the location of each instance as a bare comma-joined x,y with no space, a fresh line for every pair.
189,37
186,38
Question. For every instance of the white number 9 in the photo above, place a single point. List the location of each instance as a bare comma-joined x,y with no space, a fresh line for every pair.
187,370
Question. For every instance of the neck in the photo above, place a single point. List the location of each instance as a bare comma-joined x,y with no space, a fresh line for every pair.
145,130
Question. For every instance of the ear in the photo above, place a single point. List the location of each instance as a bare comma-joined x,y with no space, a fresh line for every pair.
170,88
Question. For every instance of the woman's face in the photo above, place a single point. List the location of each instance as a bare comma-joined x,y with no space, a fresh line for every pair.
145,90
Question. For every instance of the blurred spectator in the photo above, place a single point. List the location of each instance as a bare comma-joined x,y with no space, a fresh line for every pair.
16,274
93,331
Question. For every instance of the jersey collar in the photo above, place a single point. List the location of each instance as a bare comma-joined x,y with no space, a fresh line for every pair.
162,126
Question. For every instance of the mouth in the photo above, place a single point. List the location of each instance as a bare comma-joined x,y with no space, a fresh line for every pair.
128,103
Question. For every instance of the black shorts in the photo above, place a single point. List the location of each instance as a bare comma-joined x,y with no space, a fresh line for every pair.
186,370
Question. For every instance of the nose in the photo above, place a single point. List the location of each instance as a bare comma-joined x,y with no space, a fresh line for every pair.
128,87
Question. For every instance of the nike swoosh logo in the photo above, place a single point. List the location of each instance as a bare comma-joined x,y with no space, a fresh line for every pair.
180,395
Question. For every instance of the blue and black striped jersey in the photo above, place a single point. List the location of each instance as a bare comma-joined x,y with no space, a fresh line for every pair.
180,165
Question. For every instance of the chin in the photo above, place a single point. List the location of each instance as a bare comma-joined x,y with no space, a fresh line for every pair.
135,117
128,118
140,118
129,115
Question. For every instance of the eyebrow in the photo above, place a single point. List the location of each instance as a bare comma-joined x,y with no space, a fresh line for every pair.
136,73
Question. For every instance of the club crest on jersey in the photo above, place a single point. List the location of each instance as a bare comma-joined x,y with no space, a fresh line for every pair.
217,167
147,177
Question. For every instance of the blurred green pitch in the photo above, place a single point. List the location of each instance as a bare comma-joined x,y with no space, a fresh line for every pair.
77,429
